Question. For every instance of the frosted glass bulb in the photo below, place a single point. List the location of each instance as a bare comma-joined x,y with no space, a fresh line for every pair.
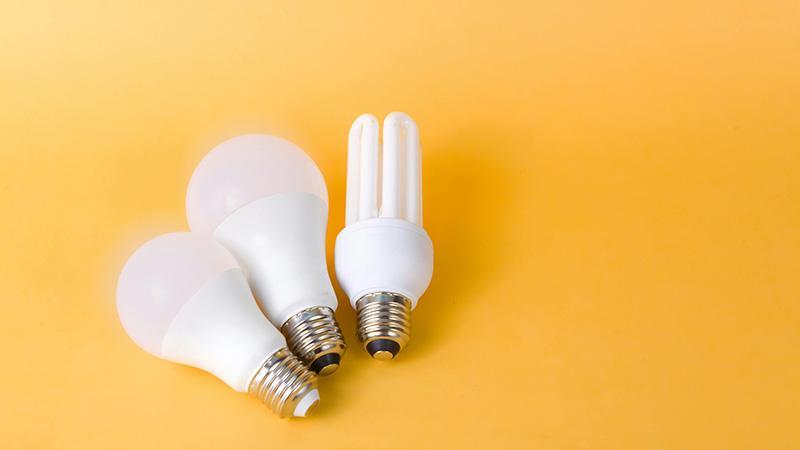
182,297
245,169
265,200
384,258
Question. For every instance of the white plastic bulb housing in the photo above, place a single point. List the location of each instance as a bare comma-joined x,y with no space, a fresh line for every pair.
182,297
265,200
384,258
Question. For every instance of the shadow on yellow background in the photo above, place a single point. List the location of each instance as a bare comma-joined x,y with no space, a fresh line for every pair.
474,196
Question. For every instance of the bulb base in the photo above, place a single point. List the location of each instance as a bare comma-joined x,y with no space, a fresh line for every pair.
285,385
384,324
315,337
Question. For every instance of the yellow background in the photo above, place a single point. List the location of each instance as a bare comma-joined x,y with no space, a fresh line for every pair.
611,187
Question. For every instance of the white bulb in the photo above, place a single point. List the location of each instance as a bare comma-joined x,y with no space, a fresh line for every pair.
182,297
265,200
245,169
384,258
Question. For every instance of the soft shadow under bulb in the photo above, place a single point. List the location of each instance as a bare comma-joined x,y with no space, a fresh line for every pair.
384,258
265,200
182,297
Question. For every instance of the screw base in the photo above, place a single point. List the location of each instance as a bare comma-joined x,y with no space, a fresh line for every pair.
285,385
315,337
384,324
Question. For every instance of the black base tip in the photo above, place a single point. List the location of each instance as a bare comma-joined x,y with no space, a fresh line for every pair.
383,345
324,361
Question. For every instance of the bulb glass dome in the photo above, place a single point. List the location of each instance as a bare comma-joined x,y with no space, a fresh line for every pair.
160,277
244,169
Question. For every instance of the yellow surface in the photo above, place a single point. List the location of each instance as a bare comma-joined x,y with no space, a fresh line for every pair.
612,190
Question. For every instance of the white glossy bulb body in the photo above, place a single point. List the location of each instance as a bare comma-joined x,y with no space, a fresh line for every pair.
265,200
182,297
383,248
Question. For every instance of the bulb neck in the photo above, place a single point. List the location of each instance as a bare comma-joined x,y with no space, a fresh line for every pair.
384,323
315,337
285,385
279,241
384,255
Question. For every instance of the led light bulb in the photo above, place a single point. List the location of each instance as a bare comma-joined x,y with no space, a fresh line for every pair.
384,258
182,297
265,200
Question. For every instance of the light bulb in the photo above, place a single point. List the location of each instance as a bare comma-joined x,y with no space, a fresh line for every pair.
384,258
182,297
265,200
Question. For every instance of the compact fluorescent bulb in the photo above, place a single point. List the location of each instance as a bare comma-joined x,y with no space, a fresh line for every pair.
384,258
